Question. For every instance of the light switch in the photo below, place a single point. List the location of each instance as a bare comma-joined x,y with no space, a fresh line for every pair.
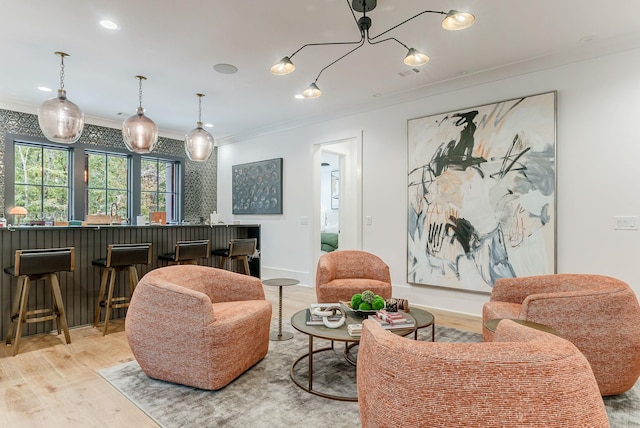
368,220
625,222
304,220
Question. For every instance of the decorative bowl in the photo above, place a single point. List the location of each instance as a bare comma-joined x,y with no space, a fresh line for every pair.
363,314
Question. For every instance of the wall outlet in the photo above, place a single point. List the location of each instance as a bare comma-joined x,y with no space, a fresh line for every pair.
625,222
368,220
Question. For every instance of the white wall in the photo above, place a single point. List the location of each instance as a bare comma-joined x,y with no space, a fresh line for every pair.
598,150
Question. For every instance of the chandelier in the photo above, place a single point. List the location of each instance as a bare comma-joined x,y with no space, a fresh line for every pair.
452,21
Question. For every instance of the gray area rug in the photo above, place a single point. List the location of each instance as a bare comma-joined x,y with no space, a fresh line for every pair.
265,396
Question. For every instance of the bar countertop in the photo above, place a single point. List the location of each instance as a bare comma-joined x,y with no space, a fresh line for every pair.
80,287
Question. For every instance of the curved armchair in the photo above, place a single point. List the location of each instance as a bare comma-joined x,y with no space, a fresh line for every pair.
341,274
600,315
527,378
197,325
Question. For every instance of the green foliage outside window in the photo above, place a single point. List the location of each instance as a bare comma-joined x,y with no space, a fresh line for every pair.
107,177
42,181
158,187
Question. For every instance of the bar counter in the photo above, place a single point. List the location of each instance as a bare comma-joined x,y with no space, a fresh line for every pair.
80,288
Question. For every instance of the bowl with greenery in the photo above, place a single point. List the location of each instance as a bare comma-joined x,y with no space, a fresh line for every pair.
365,303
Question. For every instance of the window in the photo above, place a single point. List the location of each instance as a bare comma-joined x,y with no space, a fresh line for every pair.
107,184
41,180
67,182
159,187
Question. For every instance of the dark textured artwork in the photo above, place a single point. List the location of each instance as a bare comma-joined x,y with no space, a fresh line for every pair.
257,187
481,186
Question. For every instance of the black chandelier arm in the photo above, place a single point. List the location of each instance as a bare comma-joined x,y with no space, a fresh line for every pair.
361,43
405,21
333,43
325,44
385,40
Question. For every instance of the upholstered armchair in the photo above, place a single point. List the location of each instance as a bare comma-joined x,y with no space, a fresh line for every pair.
341,274
525,378
598,314
197,325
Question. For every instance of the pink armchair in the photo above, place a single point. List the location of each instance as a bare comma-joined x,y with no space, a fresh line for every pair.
341,274
197,325
526,378
600,315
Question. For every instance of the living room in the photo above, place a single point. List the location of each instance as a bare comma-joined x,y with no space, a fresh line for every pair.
596,88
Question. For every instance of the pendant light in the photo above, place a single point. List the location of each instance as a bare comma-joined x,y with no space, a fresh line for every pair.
198,143
140,133
61,120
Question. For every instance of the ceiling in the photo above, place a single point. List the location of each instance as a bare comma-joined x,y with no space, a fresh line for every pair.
176,45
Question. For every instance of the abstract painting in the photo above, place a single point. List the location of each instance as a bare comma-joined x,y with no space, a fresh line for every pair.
481,194
256,188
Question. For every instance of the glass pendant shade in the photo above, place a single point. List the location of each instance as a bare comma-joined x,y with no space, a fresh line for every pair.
458,20
312,91
140,133
415,58
198,143
285,66
61,120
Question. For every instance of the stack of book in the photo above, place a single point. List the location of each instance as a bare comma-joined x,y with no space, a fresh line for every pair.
313,319
355,330
392,320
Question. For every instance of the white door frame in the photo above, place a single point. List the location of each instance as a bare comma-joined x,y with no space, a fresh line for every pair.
350,221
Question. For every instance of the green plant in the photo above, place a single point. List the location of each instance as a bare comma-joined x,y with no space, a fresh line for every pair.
356,299
368,296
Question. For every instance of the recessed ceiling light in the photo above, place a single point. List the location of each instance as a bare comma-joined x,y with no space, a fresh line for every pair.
225,68
109,25
299,97
44,89
209,125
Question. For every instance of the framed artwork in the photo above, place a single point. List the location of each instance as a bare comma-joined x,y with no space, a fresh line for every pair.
482,194
256,188
335,190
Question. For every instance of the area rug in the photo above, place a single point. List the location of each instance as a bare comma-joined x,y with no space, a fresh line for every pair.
265,396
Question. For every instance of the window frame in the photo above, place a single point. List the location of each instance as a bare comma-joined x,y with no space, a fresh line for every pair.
42,186
177,178
106,189
76,167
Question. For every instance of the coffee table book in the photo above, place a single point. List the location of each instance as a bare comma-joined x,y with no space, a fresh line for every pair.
407,323
355,330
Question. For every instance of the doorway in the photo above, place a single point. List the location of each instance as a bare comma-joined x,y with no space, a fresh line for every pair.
338,195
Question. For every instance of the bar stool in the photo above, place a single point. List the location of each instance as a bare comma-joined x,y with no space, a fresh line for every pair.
187,252
33,265
239,249
119,257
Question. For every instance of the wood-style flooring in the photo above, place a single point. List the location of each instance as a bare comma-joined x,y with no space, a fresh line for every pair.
52,384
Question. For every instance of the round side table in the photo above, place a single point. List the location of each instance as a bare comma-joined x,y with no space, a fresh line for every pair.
280,282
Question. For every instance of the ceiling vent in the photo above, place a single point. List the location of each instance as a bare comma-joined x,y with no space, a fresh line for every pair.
409,72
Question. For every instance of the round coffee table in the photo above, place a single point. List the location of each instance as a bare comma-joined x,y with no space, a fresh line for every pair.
280,282
340,334
423,319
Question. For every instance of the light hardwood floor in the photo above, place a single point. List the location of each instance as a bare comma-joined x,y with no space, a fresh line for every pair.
51,384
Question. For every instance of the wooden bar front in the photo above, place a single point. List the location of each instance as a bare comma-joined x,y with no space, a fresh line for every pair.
80,288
